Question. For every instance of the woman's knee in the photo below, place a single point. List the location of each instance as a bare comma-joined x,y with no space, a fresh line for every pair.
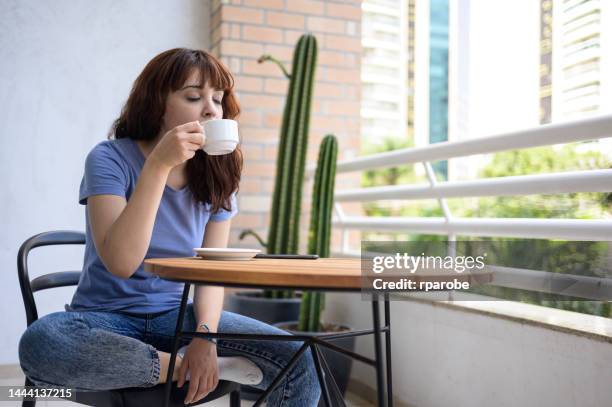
33,342
42,344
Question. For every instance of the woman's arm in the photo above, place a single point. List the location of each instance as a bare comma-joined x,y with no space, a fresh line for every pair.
201,356
208,300
122,230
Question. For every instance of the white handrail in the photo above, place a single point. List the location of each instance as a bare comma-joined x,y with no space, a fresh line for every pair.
549,134
552,183
568,229
590,287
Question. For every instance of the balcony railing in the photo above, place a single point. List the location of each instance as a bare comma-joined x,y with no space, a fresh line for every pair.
599,180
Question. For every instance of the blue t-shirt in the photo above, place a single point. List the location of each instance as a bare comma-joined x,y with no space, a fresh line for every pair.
112,167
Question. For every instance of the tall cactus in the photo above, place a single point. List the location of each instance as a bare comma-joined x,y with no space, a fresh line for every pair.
319,234
283,233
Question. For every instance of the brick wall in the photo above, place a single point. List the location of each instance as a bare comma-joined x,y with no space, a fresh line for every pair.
243,30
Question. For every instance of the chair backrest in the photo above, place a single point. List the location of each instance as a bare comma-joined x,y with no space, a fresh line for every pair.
51,280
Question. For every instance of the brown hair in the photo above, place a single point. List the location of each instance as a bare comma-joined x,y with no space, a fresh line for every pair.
211,179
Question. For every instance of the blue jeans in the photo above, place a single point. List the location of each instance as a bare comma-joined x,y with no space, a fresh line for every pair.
110,350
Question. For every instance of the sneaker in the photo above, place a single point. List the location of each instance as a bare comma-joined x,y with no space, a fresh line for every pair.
234,369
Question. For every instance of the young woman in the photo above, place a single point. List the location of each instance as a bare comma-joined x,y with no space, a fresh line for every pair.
151,191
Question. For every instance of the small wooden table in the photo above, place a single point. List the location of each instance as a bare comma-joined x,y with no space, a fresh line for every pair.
326,274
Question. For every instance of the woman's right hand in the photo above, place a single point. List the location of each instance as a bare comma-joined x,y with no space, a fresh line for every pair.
179,145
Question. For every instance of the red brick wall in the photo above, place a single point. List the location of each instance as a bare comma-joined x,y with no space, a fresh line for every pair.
243,30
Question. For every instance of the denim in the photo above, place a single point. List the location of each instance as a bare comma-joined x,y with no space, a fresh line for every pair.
101,350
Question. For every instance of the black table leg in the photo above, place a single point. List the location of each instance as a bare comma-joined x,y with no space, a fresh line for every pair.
388,351
175,345
380,380
324,389
328,372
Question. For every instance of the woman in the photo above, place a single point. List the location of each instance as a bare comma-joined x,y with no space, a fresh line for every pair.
152,192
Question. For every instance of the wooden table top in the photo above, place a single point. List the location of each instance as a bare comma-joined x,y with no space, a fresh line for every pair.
323,273
338,273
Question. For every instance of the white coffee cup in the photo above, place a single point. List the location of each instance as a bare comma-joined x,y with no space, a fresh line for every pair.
221,136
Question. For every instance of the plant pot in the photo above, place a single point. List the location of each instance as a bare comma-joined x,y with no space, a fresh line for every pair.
339,364
269,310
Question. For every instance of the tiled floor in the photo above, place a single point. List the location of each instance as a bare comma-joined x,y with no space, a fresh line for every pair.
351,400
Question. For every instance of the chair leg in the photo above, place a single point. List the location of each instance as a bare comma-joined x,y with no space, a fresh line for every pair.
28,403
235,398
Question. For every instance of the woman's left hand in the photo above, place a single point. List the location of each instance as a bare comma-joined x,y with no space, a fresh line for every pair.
200,360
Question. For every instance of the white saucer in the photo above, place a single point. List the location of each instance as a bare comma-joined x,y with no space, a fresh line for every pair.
225,253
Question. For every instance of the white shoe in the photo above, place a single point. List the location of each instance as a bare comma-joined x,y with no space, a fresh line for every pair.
234,369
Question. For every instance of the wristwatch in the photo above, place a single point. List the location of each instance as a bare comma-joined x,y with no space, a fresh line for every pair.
213,340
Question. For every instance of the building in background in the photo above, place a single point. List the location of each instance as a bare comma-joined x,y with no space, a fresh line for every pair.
438,77
410,69
434,32
545,61
384,67
581,50
471,73
405,65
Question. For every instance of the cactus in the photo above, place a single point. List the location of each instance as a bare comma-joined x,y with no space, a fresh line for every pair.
283,233
319,233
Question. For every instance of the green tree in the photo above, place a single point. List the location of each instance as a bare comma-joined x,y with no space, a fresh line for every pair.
543,160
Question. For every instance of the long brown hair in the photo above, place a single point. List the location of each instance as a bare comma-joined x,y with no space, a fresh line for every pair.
211,179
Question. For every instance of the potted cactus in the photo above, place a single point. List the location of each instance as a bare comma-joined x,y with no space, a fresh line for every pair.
272,306
283,234
319,236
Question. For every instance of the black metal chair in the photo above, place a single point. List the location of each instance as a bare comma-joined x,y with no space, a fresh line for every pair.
128,397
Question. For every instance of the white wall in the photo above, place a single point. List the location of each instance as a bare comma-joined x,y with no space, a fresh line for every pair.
67,68
449,357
